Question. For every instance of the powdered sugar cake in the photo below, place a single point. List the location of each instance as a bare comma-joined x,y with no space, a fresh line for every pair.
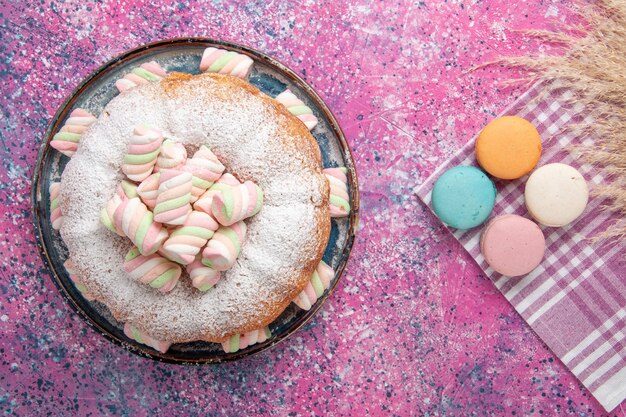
256,139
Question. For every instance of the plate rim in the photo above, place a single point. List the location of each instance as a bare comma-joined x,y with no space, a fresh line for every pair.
132,346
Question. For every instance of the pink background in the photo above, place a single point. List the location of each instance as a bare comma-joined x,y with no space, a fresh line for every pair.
413,328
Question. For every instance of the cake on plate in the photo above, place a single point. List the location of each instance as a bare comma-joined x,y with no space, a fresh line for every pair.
196,207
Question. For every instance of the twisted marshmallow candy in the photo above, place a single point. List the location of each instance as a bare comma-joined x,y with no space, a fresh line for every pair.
66,141
223,249
70,267
56,217
137,335
125,190
146,72
297,108
205,168
153,270
136,221
172,156
205,201
225,62
202,277
128,188
242,341
319,282
233,204
339,198
167,255
173,198
149,189
186,241
142,153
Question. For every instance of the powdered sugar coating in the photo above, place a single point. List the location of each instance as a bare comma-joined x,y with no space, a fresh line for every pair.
256,140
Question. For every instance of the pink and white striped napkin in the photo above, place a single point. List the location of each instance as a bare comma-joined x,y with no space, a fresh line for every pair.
576,299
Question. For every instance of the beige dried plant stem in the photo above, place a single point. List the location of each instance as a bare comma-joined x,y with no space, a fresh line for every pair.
593,67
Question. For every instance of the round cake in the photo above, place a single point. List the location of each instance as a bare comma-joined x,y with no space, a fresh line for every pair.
256,139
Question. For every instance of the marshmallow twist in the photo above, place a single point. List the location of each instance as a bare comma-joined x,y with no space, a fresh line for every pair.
67,139
56,216
172,156
142,152
173,198
139,336
143,74
125,190
205,201
241,341
107,213
233,204
297,108
339,197
319,282
149,189
202,277
70,267
223,248
205,169
170,256
225,62
153,270
129,189
186,241
136,221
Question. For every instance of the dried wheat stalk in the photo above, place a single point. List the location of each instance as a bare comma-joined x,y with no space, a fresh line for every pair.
594,68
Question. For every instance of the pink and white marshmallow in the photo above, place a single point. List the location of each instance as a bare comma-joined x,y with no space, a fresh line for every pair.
173,197
148,190
339,197
223,248
137,222
241,341
186,241
202,277
141,156
70,267
204,203
297,108
319,282
125,190
67,139
56,216
153,270
142,337
222,61
172,156
143,74
205,168
233,204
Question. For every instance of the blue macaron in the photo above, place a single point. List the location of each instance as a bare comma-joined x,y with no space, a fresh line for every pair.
463,197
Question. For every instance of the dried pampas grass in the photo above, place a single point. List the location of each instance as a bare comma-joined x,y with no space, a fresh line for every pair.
593,67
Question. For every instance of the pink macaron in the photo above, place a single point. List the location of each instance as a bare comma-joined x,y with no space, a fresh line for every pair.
512,245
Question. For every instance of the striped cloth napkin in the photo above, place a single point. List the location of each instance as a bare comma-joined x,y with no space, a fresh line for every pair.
576,299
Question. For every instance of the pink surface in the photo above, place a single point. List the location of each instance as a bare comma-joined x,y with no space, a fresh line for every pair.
412,329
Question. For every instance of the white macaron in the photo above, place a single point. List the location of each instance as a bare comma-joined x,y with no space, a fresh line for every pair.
556,194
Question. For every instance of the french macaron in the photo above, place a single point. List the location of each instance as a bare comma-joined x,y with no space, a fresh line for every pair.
512,245
556,194
463,197
509,147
